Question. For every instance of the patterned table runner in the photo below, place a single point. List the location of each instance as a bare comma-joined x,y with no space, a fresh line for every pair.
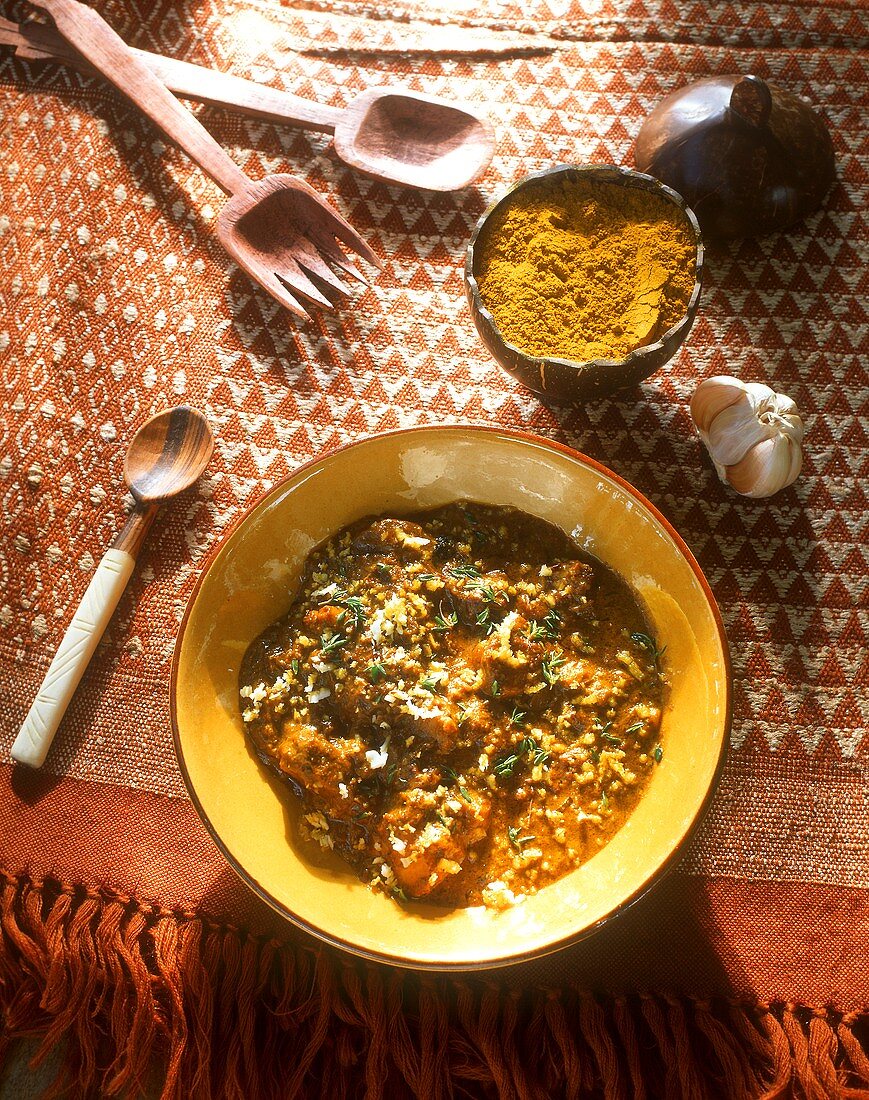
746,969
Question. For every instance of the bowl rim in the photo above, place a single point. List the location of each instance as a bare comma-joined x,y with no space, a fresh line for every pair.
582,366
554,945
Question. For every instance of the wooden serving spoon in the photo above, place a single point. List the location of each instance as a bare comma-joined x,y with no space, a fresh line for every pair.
277,229
165,457
396,136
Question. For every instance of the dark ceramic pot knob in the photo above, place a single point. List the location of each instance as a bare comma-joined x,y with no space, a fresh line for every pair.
749,158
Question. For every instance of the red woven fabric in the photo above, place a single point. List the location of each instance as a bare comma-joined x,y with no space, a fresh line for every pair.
117,301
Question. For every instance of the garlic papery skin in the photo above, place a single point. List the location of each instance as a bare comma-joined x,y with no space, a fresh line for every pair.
752,433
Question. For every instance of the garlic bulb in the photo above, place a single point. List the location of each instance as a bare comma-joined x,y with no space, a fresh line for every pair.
752,433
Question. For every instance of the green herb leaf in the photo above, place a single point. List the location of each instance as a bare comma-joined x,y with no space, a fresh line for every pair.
610,740
536,632
463,715
637,727
334,598
331,644
354,609
604,801
430,683
426,577
651,645
658,754
375,672
446,620
549,668
496,689
384,571
295,666
516,717
518,842
453,777
504,767
552,624
541,757
485,590
463,572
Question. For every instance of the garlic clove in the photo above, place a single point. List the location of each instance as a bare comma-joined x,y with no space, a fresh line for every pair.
712,396
735,430
770,465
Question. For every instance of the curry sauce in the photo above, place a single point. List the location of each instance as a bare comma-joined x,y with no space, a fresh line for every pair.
467,705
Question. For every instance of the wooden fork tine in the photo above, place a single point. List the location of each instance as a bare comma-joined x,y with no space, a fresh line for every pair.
290,271
269,281
309,258
337,226
325,245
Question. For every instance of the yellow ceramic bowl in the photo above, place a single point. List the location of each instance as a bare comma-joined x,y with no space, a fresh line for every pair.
250,580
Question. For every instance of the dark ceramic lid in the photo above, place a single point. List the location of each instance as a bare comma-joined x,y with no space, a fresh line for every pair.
747,156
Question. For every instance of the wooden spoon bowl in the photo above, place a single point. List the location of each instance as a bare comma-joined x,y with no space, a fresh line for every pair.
418,140
168,454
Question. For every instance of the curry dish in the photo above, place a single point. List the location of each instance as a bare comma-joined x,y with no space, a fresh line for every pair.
467,705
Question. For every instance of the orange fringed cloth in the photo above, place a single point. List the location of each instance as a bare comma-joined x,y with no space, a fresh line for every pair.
123,935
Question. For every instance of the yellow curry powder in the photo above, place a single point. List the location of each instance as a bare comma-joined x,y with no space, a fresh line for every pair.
584,270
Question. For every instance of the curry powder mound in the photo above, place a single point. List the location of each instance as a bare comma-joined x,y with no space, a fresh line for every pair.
586,270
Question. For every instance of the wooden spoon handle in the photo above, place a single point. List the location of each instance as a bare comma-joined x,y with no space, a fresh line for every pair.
185,79
89,33
245,96
79,642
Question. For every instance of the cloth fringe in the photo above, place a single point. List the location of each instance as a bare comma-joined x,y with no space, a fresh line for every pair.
143,998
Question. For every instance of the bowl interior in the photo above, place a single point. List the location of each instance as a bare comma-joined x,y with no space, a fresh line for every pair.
252,580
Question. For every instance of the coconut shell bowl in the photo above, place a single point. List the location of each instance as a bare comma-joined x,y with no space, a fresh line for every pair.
250,581
566,380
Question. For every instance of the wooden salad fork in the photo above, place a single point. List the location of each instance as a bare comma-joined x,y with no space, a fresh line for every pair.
277,229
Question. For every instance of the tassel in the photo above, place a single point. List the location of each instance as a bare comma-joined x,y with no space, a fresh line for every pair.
140,994
599,1037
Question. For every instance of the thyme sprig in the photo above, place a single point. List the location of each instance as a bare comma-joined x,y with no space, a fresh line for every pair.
354,609
375,671
453,776
651,646
549,668
465,571
331,644
445,620
516,841
504,767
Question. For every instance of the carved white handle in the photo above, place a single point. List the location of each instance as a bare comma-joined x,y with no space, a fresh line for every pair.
70,661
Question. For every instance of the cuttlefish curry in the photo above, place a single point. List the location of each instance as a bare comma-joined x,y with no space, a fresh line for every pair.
467,705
